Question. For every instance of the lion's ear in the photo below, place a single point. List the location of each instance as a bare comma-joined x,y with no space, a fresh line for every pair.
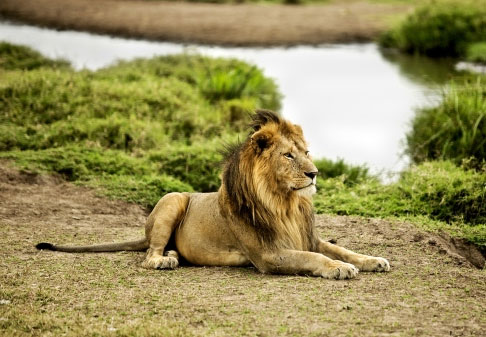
261,140
262,117
298,130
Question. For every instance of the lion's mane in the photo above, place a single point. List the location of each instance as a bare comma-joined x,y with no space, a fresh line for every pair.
250,192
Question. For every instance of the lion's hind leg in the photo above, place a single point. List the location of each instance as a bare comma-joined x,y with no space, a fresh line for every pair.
164,219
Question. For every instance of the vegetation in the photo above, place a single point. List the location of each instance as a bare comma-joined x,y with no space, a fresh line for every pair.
444,28
446,142
140,129
476,52
18,57
452,197
349,174
137,130
453,130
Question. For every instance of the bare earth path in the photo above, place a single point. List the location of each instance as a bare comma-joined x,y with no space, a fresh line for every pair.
242,24
427,293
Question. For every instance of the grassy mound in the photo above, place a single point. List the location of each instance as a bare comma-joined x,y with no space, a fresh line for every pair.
137,129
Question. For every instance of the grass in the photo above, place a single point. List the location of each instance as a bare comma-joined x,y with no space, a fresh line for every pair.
476,52
440,29
436,195
349,174
14,57
453,130
138,130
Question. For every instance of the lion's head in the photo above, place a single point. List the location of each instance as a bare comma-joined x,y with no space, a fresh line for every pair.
268,181
281,158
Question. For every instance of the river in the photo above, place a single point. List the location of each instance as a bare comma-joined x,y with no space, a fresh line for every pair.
353,101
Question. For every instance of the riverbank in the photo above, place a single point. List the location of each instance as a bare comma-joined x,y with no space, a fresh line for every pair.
221,24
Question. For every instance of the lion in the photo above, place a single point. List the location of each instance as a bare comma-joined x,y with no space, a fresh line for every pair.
262,214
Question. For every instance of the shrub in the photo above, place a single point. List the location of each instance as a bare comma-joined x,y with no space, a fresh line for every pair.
240,81
455,129
440,29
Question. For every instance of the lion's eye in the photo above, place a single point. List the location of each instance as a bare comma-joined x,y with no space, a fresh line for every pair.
288,155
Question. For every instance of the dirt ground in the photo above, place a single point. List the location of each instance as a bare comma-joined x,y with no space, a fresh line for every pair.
428,292
228,24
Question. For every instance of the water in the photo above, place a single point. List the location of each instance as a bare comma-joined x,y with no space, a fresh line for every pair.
352,101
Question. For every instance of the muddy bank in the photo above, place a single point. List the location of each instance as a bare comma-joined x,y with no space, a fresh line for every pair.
242,24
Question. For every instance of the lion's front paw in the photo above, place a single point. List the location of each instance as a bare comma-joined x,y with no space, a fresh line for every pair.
378,264
160,262
339,271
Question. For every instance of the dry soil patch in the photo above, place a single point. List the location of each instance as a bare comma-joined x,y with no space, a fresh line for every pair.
427,292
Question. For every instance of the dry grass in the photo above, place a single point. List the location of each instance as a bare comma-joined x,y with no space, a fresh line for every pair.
227,24
52,294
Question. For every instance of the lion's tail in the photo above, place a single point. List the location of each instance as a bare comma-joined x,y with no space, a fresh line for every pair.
138,245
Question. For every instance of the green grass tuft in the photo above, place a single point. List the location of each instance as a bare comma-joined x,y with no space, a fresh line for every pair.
453,130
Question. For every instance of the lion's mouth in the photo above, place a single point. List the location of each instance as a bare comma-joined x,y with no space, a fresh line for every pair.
302,188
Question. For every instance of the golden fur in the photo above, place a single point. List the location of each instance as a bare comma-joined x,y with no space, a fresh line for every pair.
262,214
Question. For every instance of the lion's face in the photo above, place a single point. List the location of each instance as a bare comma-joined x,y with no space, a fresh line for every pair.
284,163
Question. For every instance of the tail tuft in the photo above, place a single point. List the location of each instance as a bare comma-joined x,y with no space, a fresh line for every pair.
44,246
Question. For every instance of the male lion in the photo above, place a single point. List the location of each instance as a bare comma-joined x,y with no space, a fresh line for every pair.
262,214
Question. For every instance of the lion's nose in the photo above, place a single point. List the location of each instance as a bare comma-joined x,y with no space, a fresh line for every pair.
311,175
